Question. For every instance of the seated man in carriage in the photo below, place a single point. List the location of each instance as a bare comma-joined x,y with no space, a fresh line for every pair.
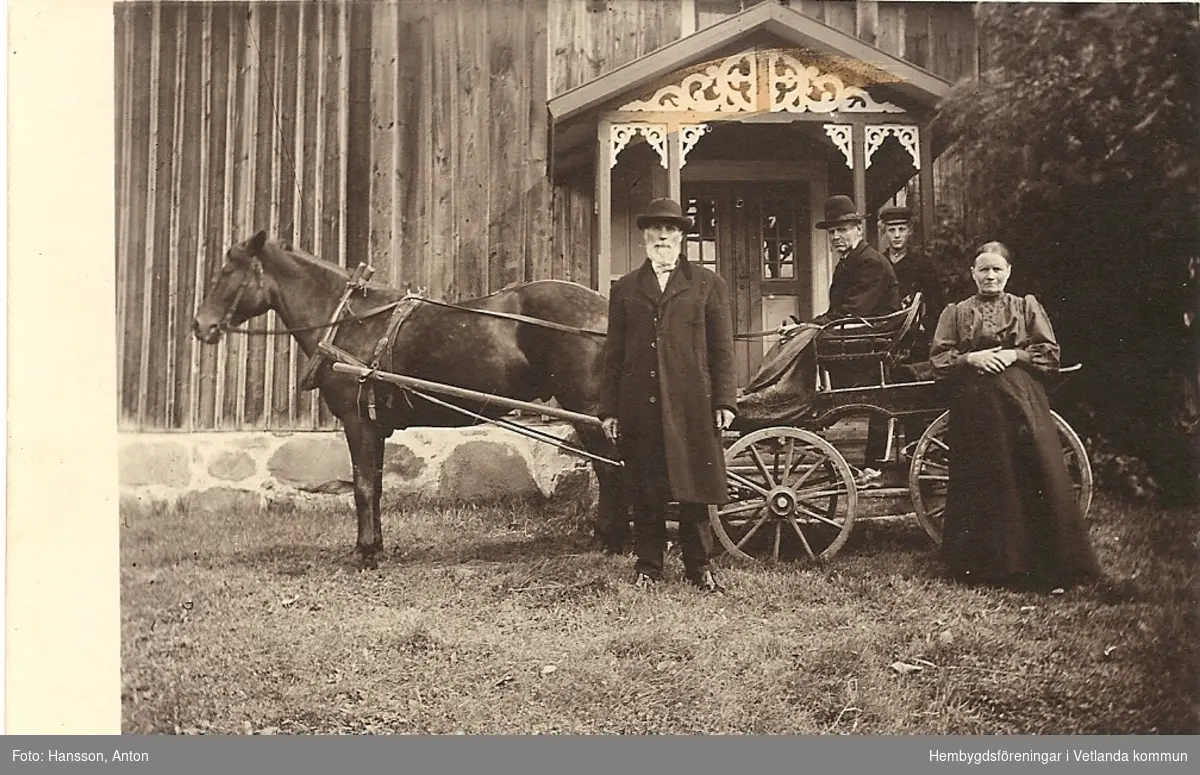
864,285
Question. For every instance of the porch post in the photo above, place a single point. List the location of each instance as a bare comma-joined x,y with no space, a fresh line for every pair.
858,147
674,156
603,207
926,178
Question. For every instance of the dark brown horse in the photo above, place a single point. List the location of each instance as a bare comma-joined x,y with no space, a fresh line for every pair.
502,357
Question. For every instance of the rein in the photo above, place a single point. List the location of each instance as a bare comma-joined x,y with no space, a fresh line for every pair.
257,273
514,316
286,331
579,330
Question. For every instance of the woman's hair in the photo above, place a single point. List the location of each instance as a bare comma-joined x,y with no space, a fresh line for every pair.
999,248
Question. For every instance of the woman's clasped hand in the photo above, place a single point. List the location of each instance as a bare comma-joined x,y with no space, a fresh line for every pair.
993,360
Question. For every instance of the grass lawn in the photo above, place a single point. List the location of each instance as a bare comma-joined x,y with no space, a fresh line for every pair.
500,619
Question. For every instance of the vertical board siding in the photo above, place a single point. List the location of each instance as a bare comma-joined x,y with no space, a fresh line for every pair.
505,240
231,117
537,205
472,188
442,69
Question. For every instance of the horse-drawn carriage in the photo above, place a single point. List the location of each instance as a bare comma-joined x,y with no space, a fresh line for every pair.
793,492
385,359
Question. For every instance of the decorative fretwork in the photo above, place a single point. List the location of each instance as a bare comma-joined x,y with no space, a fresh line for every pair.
655,134
689,135
728,87
841,135
796,87
908,135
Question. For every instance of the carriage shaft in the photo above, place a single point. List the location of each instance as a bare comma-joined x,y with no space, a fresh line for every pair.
472,395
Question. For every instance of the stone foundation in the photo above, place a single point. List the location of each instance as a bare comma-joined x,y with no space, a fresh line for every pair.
478,464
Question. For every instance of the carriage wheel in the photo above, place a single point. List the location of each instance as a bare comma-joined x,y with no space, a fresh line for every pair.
1076,457
930,471
792,495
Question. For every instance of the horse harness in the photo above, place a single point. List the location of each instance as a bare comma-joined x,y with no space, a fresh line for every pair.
381,357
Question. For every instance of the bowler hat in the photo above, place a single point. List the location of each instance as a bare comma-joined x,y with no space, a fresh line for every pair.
839,209
895,214
664,211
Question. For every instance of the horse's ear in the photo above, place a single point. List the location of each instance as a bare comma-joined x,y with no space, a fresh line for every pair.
256,243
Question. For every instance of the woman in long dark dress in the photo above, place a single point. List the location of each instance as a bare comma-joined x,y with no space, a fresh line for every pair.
1012,517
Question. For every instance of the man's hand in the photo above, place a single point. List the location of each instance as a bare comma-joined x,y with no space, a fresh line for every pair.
611,431
724,419
788,327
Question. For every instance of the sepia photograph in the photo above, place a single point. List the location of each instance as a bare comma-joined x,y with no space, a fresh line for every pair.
656,367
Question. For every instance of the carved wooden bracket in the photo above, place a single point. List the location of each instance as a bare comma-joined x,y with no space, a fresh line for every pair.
655,134
908,135
841,135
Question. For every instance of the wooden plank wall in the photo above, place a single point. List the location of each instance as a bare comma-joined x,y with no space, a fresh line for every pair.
231,117
460,203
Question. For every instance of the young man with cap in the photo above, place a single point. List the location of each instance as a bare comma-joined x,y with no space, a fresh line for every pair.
914,272
668,391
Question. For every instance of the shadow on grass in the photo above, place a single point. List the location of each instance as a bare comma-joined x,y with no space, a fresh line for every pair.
415,533
298,560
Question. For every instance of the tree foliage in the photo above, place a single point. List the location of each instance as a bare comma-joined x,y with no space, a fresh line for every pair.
1083,149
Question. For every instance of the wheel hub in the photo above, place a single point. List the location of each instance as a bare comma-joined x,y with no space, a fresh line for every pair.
781,501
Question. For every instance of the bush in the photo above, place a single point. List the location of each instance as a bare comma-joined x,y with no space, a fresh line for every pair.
1084,156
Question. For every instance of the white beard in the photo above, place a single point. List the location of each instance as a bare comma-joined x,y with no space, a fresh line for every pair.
662,258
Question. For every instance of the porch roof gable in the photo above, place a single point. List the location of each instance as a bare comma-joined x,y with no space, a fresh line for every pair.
908,82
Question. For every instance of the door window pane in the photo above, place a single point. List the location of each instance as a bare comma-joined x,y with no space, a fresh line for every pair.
779,233
701,242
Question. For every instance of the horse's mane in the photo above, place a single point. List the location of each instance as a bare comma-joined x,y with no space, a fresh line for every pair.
305,257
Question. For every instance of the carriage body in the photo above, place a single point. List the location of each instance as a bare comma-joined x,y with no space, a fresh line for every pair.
794,494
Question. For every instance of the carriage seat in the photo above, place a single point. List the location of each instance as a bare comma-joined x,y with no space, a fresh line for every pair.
877,341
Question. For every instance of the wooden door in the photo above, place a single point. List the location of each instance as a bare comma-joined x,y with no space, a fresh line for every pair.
758,237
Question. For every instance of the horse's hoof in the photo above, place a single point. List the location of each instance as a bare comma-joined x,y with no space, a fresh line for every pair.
365,562
611,548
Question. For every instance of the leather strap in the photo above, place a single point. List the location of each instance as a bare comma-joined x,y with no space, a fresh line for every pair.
381,359
517,317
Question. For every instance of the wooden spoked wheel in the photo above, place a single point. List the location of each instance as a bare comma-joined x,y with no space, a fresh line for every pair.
930,472
792,496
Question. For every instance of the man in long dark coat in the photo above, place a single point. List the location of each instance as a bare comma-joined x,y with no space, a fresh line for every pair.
668,391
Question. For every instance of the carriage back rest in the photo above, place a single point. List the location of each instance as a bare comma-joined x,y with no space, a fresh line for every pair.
881,339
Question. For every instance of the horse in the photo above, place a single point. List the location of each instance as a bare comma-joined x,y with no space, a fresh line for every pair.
447,344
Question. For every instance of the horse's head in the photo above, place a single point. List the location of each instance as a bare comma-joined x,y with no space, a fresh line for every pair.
239,293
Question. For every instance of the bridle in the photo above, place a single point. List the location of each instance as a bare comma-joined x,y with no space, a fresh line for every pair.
255,272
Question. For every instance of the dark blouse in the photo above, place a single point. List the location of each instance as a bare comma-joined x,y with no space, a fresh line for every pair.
979,323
